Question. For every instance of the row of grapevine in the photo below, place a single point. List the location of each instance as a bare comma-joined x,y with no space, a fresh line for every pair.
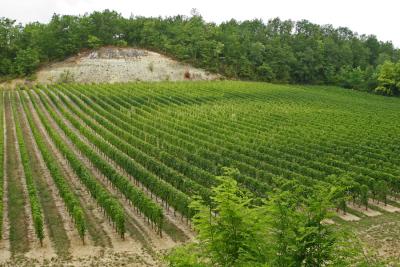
133,136
71,201
144,204
110,205
179,181
124,131
160,188
393,182
205,149
293,165
36,209
193,131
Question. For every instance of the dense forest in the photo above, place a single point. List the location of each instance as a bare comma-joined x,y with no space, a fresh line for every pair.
276,51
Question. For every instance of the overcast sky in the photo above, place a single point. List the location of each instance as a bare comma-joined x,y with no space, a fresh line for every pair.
381,18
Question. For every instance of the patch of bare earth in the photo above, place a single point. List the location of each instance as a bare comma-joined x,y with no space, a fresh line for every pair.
5,238
383,206
368,212
328,221
116,64
395,199
347,216
382,241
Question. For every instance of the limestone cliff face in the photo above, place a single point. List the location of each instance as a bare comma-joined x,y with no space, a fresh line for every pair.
114,64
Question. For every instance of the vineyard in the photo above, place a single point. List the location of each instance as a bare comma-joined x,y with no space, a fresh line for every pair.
98,168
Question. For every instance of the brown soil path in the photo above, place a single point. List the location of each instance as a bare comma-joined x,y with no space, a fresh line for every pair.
381,205
347,216
368,212
5,240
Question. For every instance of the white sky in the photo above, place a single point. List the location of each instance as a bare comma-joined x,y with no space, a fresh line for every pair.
381,18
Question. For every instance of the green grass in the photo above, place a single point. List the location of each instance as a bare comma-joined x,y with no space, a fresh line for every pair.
19,242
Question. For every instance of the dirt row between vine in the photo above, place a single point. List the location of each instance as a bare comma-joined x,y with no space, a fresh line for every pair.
130,244
171,215
5,231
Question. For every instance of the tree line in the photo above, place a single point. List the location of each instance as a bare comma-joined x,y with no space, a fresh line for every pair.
275,51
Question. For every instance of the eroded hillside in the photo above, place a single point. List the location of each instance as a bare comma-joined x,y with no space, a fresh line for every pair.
113,64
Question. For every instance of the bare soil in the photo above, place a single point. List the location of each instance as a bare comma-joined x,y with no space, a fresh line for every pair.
5,240
381,205
382,241
368,212
116,64
328,221
347,216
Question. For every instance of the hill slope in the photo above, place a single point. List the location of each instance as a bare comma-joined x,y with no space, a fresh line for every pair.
114,64
136,141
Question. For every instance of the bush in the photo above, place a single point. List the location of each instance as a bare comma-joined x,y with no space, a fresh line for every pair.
66,77
26,61
285,230
266,73
94,42
388,79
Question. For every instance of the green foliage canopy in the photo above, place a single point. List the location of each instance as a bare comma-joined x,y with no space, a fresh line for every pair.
275,51
288,229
